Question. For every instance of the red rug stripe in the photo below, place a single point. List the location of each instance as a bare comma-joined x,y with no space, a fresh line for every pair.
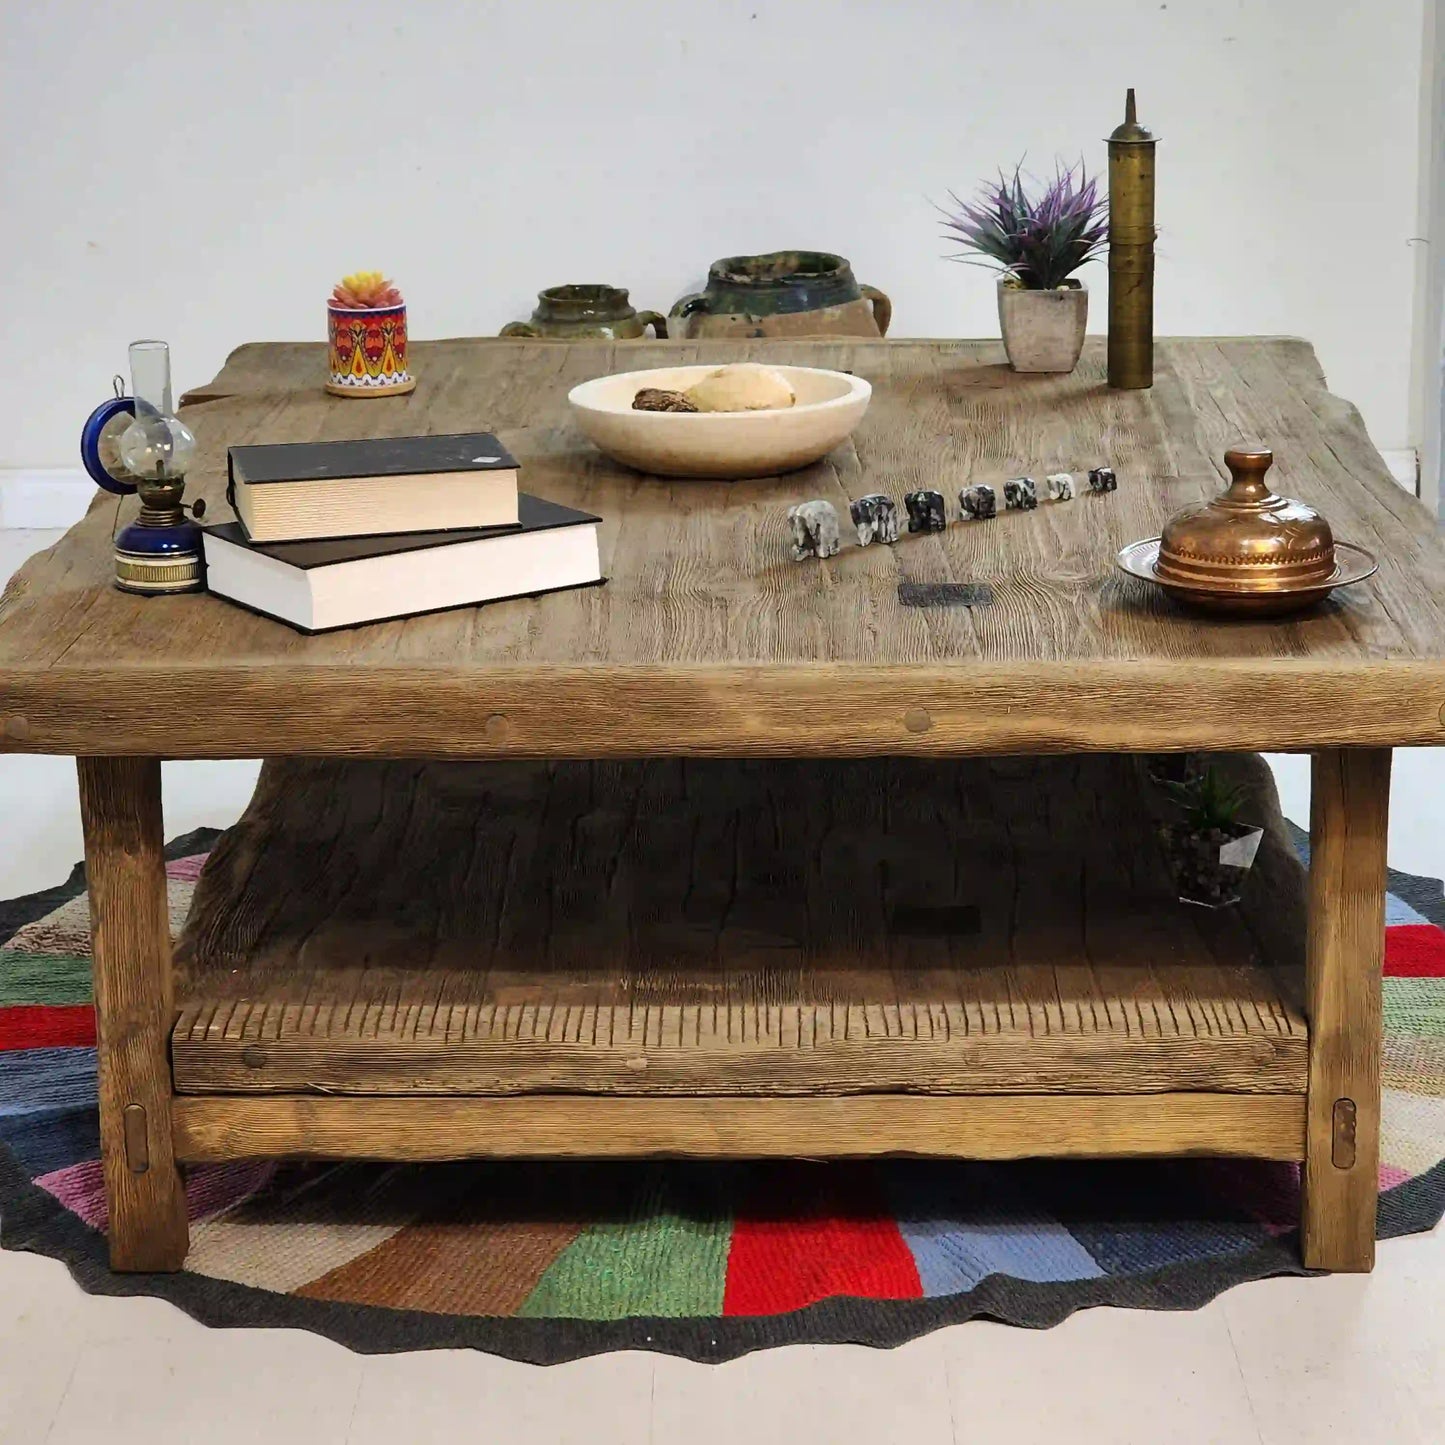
41,1026
811,1236
1414,950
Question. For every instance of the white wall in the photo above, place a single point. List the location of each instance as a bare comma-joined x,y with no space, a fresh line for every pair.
202,171
1427,416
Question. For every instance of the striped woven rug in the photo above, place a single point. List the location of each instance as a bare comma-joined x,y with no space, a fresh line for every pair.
547,1262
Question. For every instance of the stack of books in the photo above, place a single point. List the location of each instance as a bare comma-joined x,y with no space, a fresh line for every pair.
333,534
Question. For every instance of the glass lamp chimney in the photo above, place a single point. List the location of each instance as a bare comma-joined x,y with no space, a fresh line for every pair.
157,445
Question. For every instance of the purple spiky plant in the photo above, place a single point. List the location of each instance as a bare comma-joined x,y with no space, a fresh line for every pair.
1040,239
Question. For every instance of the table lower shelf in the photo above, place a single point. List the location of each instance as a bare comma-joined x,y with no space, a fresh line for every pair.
727,928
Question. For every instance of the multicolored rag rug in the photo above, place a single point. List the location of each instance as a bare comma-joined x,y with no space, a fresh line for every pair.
547,1262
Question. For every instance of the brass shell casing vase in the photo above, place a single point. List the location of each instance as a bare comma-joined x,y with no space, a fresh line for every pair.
1131,254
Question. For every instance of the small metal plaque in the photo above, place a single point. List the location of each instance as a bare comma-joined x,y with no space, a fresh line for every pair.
137,1141
954,920
1342,1148
945,594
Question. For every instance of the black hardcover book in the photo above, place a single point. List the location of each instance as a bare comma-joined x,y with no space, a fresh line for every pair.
477,451
320,585
296,491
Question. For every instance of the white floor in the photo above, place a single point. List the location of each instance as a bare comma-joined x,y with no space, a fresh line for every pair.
1344,1360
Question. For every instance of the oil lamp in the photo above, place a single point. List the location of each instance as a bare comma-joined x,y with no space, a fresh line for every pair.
160,551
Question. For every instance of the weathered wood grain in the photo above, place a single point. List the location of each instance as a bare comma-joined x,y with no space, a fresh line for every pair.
729,927
817,710
120,803
1349,824
708,640
217,1128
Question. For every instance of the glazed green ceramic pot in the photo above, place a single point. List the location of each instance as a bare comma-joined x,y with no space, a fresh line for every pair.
568,313
782,293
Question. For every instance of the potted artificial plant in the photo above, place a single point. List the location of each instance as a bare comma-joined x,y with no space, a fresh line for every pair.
1208,849
366,338
1037,240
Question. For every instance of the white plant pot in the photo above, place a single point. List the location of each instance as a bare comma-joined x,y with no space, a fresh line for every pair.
1043,330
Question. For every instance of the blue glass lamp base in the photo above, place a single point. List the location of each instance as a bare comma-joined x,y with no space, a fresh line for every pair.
154,560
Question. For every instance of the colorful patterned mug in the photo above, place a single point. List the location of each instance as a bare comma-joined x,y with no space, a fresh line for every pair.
367,351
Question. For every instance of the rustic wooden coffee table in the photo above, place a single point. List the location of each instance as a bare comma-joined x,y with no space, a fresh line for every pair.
840,911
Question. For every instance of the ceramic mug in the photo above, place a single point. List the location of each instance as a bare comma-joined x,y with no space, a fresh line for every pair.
367,351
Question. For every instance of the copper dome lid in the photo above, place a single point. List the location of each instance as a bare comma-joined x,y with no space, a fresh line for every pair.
1248,539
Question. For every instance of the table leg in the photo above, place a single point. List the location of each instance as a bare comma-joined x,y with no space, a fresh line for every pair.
1349,813
120,805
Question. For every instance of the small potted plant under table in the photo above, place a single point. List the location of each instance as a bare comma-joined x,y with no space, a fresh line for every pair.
1037,239
1208,849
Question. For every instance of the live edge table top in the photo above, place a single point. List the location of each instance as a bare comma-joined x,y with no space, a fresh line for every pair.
709,639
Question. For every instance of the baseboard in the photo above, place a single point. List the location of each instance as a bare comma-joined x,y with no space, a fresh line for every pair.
43,496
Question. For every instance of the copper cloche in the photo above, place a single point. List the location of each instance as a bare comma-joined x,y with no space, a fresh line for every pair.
1249,539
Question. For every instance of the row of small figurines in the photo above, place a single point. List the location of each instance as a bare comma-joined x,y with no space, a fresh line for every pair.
816,531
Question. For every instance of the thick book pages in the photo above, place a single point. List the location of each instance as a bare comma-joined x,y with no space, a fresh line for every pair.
316,586
297,491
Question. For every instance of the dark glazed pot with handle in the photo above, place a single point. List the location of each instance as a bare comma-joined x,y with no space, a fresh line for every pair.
571,313
782,293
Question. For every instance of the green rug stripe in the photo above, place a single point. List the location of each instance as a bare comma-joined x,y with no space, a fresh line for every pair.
1415,1006
666,1258
1415,1065
43,978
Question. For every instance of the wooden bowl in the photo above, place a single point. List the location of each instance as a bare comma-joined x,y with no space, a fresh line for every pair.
719,445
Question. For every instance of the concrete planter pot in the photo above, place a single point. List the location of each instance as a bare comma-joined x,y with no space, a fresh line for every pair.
1043,330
